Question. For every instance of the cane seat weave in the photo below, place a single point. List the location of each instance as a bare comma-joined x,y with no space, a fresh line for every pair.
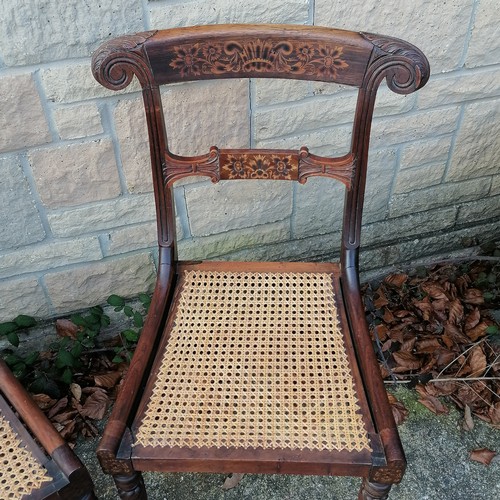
20,471
254,360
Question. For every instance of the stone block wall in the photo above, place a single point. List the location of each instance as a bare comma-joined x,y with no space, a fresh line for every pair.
76,207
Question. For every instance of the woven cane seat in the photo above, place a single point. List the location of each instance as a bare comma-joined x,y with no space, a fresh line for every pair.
254,360
20,473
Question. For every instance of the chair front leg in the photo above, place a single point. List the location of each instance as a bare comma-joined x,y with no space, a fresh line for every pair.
130,486
373,491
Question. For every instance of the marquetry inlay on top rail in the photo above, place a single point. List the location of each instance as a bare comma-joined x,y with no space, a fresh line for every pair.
271,164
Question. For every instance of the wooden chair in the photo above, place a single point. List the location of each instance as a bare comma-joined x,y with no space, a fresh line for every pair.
36,462
256,367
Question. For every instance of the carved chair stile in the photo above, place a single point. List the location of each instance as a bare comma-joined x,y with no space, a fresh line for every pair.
256,367
37,469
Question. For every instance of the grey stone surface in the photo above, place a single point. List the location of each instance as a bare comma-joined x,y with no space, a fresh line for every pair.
129,238
37,31
419,177
484,45
80,286
83,85
479,210
22,120
49,255
76,173
268,91
457,88
438,30
22,296
495,185
217,245
180,13
20,222
439,196
105,215
427,151
81,120
233,205
477,147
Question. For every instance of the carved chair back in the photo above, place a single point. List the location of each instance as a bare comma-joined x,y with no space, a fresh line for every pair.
360,60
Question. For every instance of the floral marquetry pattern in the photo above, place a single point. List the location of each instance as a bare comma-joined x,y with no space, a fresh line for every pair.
277,166
315,59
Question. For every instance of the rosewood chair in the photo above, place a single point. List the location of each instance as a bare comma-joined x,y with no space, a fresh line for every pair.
256,367
36,462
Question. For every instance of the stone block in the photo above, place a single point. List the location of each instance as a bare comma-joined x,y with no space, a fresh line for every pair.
48,256
477,146
20,222
22,119
441,244
439,196
419,177
487,208
41,30
74,82
231,205
102,216
484,44
414,126
22,296
495,185
411,225
329,141
210,247
132,134
181,13
127,239
268,91
438,30
458,88
318,207
321,111
203,114
74,122
76,173
427,151
91,284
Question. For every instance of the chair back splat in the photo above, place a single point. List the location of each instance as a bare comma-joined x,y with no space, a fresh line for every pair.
256,367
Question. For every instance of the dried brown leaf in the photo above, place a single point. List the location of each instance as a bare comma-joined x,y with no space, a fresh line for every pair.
407,360
430,402
107,380
380,298
468,422
62,403
381,331
482,455
408,344
76,390
477,361
472,319
232,481
399,410
95,406
456,313
388,317
396,280
474,296
68,429
435,290
427,345
66,328
43,401
425,307
477,332
65,417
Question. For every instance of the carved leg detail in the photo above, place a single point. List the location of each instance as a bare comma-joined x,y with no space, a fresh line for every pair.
130,487
373,491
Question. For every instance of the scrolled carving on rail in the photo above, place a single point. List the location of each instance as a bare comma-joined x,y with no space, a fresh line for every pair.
311,165
175,168
115,63
404,66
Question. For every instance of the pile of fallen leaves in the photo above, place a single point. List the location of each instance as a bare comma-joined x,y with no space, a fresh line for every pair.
88,397
433,329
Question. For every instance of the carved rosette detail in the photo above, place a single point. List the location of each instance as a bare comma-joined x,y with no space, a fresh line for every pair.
259,166
175,168
404,66
115,63
259,56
